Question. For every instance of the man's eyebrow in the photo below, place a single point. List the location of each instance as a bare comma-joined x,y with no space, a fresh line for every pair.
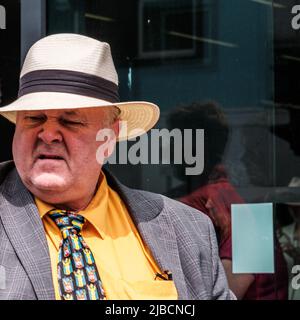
27,112
71,113
74,114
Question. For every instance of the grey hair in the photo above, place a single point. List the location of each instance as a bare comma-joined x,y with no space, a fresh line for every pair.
115,113
112,115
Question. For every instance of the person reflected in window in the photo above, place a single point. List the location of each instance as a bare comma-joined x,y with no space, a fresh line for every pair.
212,193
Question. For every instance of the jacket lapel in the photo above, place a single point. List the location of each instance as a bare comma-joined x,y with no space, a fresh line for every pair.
156,229
25,230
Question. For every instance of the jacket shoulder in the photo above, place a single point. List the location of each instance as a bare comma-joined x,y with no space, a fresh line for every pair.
175,209
184,216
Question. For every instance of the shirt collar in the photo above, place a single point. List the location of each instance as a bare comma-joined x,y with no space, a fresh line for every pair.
95,212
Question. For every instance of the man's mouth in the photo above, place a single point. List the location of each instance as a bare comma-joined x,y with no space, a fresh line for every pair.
49,157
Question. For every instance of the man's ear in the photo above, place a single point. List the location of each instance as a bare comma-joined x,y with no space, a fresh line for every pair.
112,139
108,139
116,127
111,142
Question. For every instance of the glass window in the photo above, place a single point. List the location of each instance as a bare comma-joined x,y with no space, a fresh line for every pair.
209,65
225,76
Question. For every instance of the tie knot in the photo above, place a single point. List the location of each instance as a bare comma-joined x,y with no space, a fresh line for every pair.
67,221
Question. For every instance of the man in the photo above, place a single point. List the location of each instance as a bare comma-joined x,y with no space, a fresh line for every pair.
69,230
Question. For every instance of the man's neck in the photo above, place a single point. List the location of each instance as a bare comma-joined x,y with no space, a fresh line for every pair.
76,205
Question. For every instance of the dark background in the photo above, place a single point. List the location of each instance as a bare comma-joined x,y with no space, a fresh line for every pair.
9,70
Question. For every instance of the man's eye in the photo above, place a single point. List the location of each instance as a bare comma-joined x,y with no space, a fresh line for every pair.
70,122
34,119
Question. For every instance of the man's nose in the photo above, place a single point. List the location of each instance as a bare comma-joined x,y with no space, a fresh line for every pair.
50,133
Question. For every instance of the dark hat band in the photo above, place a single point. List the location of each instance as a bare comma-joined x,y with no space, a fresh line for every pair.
67,81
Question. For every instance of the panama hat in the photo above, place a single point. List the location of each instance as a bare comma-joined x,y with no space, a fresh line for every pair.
70,71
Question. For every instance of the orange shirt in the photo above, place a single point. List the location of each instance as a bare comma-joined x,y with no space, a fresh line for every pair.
126,267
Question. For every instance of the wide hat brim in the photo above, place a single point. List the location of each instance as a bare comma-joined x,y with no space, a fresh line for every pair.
140,116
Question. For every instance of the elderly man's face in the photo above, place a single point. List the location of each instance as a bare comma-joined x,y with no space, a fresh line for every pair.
55,152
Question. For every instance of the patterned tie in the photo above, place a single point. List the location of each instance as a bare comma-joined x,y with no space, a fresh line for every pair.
78,277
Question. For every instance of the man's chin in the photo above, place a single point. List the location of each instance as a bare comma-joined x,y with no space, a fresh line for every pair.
48,182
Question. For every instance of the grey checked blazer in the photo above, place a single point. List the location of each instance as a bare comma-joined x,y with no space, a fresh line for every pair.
180,238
